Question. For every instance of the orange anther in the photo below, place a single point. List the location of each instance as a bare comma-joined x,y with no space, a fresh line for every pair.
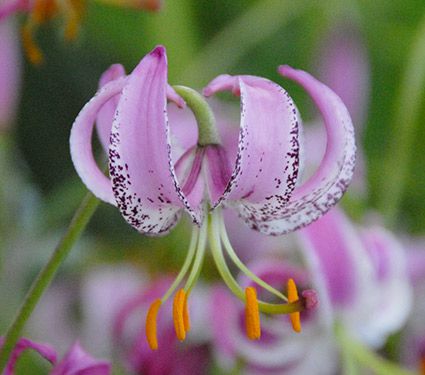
73,19
293,297
422,366
178,307
30,47
186,317
151,324
252,314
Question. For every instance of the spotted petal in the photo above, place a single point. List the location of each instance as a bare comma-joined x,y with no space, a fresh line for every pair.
140,163
23,344
266,166
324,189
106,114
81,147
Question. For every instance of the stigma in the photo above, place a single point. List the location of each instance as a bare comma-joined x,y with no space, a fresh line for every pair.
213,234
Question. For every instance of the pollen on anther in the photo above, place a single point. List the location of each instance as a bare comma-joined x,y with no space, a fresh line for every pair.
293,297
151,335
252,314
186,316
178,315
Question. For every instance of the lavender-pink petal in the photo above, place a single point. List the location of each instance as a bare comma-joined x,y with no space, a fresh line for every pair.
140,163
77,362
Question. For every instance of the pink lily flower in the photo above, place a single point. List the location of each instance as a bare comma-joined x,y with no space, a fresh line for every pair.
10,73
361,280
151,187
75,362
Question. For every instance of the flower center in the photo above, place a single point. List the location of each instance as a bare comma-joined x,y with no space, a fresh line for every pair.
213,233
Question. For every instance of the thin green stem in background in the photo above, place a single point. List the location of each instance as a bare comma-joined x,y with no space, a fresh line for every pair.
404,129
75,229
239,37
366,357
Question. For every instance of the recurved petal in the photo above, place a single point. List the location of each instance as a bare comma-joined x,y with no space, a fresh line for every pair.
106,114
78,362
140,163
81,146
266,166
327,185
44,350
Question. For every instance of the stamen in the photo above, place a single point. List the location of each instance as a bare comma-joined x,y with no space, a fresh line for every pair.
31,49
75,13
178,307
252,314
43,11
422,368
232,254
293,297
151,324
232,284
186,316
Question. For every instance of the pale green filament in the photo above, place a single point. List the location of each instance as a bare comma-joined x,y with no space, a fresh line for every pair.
216,248
233,256
197,264
186,264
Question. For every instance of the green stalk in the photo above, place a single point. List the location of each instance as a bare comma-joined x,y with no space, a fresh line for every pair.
367,357
239,37
404,129
76,227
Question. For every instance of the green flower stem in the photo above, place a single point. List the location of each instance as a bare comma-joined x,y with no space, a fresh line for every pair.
207,128
403,133
367,358
76,227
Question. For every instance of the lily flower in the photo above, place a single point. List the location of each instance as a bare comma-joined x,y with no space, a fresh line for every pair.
72,11
151,188
75,362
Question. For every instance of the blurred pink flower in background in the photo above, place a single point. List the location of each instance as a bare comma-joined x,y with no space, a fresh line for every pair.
360,275
75,362
10,73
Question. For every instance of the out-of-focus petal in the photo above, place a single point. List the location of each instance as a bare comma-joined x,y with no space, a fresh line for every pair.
106,114
266,166
9,7
140,163
324,189
81,145
10,73
333,241
394,293
77,362
44,350
344,67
